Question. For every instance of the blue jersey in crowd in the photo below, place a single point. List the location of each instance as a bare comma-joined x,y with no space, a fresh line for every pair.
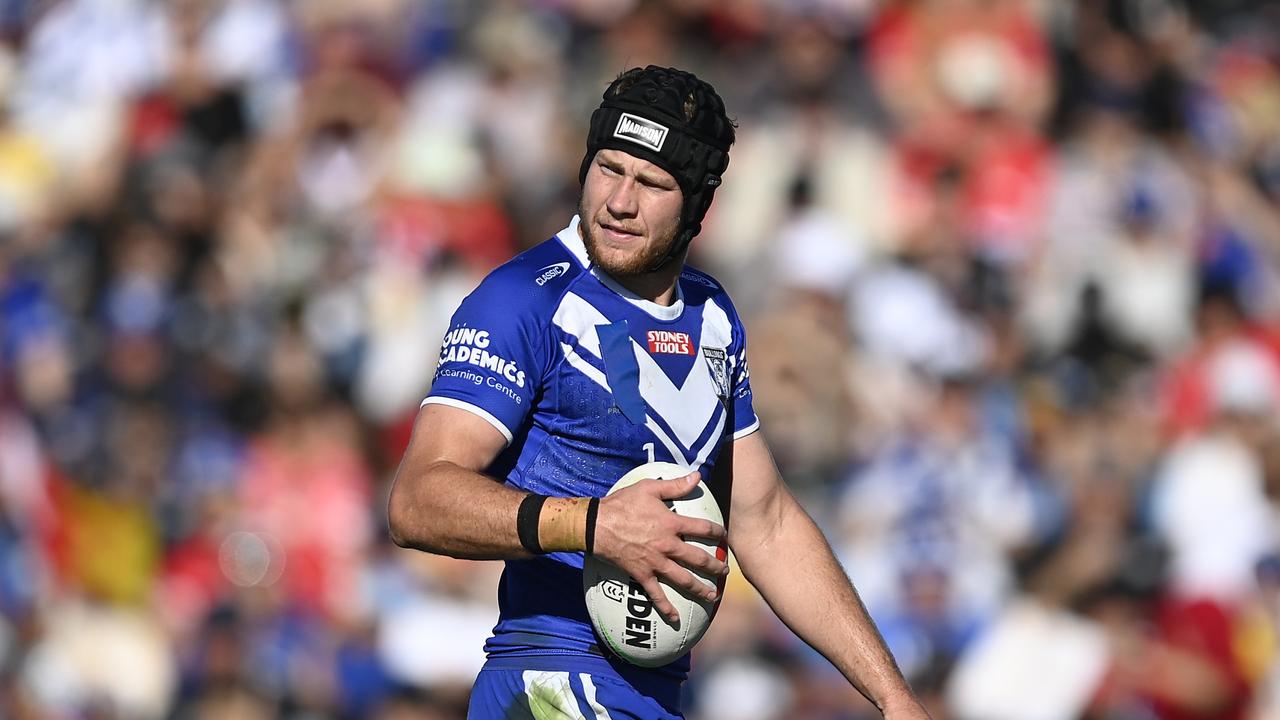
586,381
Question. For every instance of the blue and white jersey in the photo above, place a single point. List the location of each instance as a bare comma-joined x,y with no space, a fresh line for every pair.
586,381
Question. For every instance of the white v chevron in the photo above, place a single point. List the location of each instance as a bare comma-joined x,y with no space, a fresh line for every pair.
687,409
673,403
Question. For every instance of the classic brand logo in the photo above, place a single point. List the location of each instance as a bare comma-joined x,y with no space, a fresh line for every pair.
699,279
641,132
670,343
551,272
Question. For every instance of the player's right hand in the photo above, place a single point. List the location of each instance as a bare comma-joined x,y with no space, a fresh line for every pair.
638,532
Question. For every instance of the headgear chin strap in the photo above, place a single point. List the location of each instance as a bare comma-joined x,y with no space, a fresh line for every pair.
675,121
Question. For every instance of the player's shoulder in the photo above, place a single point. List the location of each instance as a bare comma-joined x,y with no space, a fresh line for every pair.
531,283
702,290
696,284
692,277
699,287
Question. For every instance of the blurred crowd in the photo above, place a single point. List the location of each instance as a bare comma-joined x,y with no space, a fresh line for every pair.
1011,276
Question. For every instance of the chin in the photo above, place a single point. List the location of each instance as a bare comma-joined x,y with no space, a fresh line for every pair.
638,258
616,266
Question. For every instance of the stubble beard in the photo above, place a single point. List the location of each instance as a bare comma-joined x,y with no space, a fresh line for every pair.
650,259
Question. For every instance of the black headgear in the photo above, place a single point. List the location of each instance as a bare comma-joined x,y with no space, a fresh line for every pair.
675,121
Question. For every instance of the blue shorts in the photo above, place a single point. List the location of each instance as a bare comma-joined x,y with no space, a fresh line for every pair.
502,692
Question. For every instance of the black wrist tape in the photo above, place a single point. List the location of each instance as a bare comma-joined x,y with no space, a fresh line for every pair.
527,522
593,507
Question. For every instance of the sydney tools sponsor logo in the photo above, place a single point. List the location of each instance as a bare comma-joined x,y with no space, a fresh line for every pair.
551,272
641,132
670,343
469,345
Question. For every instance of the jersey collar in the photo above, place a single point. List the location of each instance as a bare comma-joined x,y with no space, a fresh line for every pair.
573,242
660,312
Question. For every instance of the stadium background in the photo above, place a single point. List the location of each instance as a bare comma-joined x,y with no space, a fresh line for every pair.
1009,270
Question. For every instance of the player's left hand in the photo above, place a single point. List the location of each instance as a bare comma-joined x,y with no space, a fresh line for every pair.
637,531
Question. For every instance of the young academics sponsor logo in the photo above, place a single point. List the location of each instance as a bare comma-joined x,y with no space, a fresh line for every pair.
469,345
641,132
551,272
667,342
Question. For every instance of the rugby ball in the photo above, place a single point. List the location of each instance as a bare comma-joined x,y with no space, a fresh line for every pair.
620,609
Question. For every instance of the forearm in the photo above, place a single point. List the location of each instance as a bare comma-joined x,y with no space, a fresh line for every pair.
791,564
445,509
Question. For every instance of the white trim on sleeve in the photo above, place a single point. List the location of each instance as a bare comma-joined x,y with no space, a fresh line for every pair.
747,430
473,409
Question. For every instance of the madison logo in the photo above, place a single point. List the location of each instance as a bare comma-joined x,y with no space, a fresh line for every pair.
640,131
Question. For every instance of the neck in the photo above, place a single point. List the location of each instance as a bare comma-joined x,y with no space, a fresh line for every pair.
657,287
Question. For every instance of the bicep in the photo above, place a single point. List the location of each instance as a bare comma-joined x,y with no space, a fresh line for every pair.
759,497
441,501
445,433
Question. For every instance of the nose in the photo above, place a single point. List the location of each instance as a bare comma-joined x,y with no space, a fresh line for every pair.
622,201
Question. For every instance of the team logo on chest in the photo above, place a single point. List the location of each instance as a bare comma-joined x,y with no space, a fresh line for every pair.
719,368
667,342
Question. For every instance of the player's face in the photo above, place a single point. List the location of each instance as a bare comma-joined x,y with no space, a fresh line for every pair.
630,213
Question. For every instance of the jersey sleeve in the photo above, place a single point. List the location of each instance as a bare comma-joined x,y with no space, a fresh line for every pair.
745,421
492,358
